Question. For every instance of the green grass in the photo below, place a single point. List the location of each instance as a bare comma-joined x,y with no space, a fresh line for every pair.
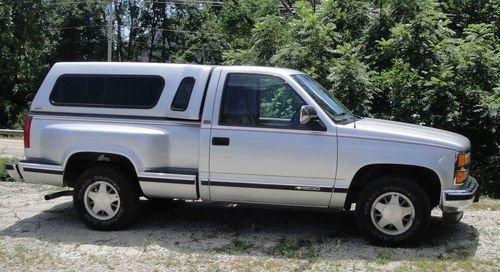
236,245
383,258
3,173
11,137
301,249
149,243
465,264
486,203
20,250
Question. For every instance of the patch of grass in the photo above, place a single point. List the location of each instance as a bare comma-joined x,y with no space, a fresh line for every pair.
4,176
149,243
383,258
300,248
20,250
465,264
11,137
454,252
236,245
486,203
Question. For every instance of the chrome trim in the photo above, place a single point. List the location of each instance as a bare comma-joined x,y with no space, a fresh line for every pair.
458,199
166,177
168,185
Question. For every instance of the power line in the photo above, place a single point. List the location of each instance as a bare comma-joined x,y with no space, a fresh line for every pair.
186,2
68,2
216,3
77,27
178,46
176,30
153,45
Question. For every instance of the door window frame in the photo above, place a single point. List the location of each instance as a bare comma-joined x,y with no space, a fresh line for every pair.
223,95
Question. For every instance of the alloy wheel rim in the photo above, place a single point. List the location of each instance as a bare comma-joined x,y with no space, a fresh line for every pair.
101,200
392,213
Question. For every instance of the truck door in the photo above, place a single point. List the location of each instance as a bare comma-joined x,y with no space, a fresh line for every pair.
259,151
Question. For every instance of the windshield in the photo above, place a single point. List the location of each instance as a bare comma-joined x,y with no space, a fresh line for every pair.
335,110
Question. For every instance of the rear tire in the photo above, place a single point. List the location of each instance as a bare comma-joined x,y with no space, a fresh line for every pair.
105,198
393,211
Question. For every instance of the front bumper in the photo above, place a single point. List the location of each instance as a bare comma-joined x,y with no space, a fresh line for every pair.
458,199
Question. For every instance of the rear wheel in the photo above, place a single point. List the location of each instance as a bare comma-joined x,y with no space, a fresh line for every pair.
105,198
393,211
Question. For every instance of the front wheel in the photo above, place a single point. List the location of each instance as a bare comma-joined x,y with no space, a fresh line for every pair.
106,198
393,211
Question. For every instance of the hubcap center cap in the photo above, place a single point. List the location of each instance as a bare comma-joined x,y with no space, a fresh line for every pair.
392,213
102,199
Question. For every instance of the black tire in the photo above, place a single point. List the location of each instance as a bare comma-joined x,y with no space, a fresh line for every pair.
126,188
401,186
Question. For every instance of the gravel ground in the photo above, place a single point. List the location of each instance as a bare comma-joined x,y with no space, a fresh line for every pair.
47,235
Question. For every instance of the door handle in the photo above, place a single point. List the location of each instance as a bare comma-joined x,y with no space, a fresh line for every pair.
220,141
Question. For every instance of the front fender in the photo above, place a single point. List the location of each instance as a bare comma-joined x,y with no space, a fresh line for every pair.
355,154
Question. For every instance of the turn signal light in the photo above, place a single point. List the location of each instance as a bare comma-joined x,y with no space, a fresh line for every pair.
460,177
461,160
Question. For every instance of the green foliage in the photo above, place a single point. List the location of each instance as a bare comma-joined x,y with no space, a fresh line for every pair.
350,80
429,62
4,176
281,102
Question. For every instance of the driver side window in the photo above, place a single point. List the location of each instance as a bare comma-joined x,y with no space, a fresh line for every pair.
255,100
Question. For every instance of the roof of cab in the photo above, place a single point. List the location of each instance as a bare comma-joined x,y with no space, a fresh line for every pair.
149,65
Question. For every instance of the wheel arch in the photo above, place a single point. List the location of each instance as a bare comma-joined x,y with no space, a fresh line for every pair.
78,162
425,177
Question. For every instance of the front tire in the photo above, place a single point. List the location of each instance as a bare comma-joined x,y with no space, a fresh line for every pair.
105,198
393,211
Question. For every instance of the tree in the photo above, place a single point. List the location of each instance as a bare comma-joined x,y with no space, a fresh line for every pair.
350,80
26,48
81,29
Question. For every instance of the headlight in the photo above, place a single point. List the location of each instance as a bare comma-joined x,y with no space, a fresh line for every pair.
462,164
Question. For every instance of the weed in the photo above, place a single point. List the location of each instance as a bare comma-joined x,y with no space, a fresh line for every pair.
4,176
236,245
20,250
149,243
383,258
300,248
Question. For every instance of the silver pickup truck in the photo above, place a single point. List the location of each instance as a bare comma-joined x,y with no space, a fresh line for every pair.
118,131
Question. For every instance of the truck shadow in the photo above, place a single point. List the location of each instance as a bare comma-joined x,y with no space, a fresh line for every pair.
241,229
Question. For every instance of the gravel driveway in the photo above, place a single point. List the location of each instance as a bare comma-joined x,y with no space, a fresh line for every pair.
47,235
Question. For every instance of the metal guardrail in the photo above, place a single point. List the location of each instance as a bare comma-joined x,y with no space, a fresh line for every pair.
11,132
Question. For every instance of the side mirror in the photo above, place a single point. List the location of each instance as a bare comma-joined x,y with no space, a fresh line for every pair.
307,113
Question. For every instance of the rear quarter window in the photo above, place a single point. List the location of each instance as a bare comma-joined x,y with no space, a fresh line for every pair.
183,94
114,91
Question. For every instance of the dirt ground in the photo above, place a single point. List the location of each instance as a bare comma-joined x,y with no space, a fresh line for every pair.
47,235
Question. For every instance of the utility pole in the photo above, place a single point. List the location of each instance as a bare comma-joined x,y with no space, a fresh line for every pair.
110,30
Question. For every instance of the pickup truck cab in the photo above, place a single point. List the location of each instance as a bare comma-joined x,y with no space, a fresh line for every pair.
118,131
